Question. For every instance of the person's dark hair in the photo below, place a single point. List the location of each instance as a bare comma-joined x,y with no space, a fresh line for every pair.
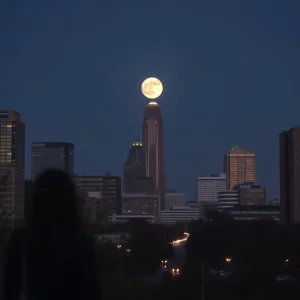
55,203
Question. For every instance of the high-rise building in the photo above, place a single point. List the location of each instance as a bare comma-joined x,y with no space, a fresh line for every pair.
239,166
174,199
105,190
289,142
90,191
207,189
140,204
252,194
134,167
51,155
144,185
112,194
153,146
183,214
12,161
228,199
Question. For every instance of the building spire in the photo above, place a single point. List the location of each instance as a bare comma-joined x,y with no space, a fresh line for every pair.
137,143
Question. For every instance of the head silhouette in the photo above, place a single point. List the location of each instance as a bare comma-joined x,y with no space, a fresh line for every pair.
55,205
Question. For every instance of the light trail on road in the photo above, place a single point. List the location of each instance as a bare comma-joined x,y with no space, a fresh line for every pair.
178,242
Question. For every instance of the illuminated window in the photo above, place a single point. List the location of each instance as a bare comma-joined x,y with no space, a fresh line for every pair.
8,126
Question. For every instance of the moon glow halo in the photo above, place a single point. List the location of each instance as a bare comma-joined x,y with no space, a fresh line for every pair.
152,88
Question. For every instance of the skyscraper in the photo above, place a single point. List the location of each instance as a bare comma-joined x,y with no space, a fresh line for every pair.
47,155
174,199
153,145
134,167
289,144
12,157
207,189
239,166
252,195
106,191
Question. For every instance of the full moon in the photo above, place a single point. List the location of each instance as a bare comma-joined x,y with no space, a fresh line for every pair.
152,88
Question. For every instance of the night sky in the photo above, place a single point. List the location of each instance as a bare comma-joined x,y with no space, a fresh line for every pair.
230,69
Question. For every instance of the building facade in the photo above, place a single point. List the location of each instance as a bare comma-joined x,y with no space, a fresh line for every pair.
228,199
254,212
193,204
239,166
179,214
144,185
141,204
127,218
51,155
134,167
91,211
207,189
252,195
105,190
289,144
275,200
153,147
174,199
90,190
12,162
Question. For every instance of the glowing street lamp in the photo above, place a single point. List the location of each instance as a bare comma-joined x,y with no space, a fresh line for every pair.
228,260
286,265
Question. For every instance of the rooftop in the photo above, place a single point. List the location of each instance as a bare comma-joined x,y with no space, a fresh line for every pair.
253,208
137,143
238,150
152,104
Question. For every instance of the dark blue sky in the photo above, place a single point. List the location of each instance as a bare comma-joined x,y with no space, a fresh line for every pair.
230,69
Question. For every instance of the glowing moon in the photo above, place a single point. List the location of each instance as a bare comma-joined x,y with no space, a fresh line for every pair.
152,88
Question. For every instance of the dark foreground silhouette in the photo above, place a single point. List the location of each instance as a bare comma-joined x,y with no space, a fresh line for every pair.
50,258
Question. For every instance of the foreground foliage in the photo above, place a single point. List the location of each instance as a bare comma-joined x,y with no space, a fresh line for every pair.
257,252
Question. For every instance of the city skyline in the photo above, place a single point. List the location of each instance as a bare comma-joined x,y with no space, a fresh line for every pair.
230,75
235,151
236,160
150,149
239,165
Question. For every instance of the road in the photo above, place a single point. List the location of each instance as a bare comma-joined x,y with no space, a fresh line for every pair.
179,249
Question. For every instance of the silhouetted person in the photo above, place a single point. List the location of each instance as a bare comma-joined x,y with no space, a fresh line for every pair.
50,258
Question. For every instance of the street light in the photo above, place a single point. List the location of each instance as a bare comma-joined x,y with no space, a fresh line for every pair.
286,265
228,260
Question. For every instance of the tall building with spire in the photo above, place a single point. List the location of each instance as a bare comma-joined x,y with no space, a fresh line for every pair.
134,166
153,146
239,166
